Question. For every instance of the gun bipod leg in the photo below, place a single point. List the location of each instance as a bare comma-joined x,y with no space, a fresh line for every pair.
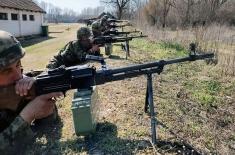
127,48
149,104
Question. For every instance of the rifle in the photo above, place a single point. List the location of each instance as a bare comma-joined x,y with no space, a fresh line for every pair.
109,39
80,77
116,21
118,26
119,33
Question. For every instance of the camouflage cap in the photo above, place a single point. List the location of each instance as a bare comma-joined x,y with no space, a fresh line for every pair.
10,49
83,32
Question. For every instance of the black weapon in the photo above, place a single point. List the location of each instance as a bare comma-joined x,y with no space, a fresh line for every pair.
118,26
116,21
84,77
110,39
115,32
63,79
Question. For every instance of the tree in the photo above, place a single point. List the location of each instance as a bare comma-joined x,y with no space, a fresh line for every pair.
157,10
120,6
166,7
214,6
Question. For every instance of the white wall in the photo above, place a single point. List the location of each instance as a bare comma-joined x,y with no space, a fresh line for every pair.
20,27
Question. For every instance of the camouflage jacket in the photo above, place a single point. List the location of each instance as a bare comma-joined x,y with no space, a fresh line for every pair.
72,54
14,131
97,28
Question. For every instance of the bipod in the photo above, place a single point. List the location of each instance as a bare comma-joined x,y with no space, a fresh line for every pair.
150,105
127,48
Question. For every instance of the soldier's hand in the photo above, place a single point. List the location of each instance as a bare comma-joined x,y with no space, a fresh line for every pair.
94,49
23,85
41,107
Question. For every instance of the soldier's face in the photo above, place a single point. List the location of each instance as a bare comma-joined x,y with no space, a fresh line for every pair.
86,42
10,74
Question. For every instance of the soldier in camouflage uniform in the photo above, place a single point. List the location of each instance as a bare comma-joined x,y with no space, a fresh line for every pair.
16,117
75,51
99,28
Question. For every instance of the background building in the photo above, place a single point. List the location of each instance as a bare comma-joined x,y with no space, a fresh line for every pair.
21,17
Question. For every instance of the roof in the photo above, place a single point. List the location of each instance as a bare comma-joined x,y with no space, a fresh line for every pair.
27,5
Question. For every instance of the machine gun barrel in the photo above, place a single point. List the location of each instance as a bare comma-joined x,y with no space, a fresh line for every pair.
141,36
108,39
119,33
117,21
80,77
140,69
116,33
118,26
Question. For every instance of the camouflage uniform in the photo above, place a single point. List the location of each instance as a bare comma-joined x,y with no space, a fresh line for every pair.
15,132
13,129
98,28
73,53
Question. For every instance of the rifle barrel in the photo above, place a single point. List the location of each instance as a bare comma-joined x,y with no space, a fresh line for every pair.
103,76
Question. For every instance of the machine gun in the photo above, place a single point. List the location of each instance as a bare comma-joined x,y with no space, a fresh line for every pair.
79,77
109,39
118,26
84,77
116,21
115,32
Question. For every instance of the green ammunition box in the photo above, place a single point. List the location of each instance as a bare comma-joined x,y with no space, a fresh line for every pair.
85,111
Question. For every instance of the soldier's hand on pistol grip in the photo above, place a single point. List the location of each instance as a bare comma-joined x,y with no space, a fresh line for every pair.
94,49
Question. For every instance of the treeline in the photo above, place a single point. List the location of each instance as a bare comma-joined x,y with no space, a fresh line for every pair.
175,13
160,13
56,14
189,12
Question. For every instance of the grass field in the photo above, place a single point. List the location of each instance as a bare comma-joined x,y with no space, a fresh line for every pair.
194,103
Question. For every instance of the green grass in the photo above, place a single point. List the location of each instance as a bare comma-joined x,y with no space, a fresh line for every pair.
160,50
